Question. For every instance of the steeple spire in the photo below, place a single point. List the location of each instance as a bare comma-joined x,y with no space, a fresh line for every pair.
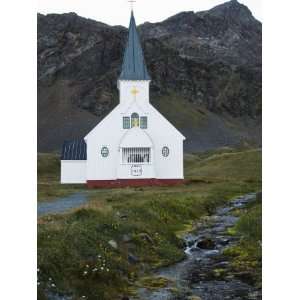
134,67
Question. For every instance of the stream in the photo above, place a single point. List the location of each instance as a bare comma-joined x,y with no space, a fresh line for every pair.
195,277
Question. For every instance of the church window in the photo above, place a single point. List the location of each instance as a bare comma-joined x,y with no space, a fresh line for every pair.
104,151
135,120
126,123
136,155
165,151
144,122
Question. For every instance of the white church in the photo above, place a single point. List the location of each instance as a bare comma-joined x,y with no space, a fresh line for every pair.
132,146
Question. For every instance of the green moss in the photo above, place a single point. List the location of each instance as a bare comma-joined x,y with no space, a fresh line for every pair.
186,228
153,283
218,273
231,231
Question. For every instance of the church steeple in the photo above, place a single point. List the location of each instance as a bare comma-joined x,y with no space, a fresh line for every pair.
134,67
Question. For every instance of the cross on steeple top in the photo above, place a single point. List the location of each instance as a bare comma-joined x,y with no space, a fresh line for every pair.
131,3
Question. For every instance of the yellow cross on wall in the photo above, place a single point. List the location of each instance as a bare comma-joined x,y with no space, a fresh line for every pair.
134,91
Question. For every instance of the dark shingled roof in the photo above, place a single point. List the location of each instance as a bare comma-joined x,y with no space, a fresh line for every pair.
134,67
74,150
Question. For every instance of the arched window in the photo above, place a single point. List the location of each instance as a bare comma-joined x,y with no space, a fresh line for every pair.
126,122
135,122
144,122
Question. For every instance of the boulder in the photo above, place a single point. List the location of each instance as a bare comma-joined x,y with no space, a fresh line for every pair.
207,244
224,241
113,244
126,238
189,243
132,259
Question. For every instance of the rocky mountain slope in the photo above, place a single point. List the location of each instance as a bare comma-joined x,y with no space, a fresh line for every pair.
205,68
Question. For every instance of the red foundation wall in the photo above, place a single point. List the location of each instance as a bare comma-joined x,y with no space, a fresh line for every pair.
133,183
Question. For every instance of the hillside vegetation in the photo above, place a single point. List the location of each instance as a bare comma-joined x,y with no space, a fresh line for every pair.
103,249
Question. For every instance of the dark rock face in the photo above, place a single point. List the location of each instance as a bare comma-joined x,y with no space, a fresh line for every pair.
227,33
211,60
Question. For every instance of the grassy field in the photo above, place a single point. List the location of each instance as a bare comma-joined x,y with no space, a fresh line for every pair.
102,250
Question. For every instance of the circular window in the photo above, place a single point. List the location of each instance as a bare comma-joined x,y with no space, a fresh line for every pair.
165,151
104,151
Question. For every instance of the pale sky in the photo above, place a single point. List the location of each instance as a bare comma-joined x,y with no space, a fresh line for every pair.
116,12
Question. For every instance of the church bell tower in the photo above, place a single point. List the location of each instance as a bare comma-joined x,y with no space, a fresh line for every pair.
134,80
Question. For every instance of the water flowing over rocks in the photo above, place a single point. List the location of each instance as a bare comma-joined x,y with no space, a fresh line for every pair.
205,272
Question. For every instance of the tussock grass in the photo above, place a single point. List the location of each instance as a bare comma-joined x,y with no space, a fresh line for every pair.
143,223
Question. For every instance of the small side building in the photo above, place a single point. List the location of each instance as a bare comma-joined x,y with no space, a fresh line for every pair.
73,162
